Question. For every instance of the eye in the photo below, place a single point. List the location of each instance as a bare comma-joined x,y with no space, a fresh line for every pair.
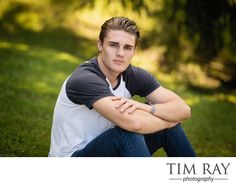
128,47
113,44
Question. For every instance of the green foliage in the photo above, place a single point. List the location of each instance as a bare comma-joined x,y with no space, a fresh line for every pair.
41,43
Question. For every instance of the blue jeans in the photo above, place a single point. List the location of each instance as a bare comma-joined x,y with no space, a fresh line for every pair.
117,142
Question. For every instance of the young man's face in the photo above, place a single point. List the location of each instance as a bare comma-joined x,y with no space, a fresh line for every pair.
117,50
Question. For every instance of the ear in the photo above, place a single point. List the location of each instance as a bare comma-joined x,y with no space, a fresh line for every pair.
99,45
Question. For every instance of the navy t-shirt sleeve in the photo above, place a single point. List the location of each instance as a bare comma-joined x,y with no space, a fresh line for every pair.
86,88
140,82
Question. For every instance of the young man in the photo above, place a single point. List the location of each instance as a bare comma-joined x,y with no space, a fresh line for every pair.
95,115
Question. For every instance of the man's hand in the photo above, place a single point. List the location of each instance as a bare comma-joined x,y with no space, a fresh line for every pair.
129,105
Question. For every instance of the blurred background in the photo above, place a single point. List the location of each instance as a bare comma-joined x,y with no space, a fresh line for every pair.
190,46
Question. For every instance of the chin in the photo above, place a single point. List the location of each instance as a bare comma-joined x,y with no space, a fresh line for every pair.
119,69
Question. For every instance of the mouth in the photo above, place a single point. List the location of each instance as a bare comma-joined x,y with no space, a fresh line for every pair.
118,61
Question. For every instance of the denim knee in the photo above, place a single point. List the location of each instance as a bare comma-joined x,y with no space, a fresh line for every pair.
130,136
131,144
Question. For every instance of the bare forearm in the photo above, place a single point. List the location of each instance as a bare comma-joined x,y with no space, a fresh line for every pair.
169,106
174,110
139,120
140,115
147,123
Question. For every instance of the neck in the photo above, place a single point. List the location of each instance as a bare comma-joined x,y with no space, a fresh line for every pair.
111,76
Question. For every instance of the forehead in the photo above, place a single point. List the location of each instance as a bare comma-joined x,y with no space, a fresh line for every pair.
120,36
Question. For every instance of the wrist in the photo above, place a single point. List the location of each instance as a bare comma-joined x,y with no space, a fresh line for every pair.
153,109
146,108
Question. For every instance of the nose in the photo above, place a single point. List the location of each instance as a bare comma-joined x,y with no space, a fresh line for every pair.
120,52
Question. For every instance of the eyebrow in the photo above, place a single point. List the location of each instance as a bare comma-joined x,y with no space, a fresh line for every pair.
117,43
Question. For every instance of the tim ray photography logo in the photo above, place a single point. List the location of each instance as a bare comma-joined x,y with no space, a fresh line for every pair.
198,172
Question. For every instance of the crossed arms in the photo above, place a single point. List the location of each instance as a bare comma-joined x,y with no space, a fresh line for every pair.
135,116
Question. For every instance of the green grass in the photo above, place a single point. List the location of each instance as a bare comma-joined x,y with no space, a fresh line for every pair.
212,127
33,66
30,79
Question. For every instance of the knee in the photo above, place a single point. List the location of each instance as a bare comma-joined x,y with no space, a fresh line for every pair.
176,129
131,144
130,136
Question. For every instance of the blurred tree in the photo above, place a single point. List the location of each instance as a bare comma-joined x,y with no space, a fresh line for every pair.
212,27
204,28
210,21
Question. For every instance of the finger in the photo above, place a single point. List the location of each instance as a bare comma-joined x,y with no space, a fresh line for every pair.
120,103
115,98
125,106
132,109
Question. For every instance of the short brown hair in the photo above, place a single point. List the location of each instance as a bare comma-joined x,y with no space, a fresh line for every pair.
119,23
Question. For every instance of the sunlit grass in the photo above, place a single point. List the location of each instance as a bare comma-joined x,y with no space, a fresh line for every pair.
17,46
